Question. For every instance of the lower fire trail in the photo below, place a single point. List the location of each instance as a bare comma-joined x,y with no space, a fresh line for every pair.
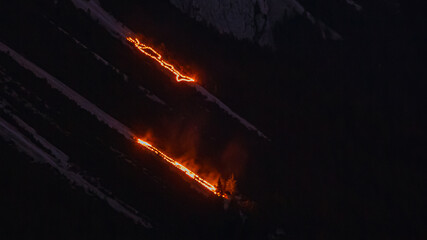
181,167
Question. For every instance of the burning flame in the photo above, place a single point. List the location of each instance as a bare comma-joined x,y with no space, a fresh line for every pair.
149,51
181,167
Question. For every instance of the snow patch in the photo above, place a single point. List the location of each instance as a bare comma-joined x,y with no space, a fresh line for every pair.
115,27
355,5
69,93
249,19
8,132
151,96
211,98
327,32
25,102
55,152
148,94
99,58
118,29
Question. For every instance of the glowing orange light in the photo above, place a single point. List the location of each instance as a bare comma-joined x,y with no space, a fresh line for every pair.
181,167
149,51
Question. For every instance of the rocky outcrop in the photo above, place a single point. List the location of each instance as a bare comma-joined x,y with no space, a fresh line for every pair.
249,19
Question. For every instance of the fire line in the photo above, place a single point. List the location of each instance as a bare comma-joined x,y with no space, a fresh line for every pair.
149,51
181,167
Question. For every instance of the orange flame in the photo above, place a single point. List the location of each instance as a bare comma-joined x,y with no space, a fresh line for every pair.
149,51
181,167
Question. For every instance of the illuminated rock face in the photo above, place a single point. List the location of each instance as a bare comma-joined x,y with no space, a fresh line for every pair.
244,19
249,19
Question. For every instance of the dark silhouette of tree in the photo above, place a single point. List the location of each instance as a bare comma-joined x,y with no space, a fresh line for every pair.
220,187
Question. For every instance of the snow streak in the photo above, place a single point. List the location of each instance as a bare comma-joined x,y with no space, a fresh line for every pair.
59,161
69,93
101,115
120,31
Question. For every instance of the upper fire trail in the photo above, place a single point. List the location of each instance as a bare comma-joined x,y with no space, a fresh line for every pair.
149,51
120,31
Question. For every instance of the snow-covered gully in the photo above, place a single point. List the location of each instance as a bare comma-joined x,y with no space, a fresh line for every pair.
120,31
103,116
59,161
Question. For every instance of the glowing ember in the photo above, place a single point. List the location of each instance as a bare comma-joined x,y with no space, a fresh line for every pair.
181,167
149,51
